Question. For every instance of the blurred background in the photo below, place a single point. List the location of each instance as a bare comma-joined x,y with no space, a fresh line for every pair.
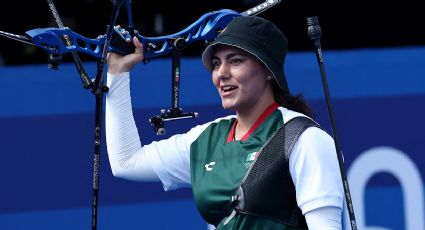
345,24
375,63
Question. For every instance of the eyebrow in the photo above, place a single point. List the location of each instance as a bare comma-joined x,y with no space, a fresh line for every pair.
230,55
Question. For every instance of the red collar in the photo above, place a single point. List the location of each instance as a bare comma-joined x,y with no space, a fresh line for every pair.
269,110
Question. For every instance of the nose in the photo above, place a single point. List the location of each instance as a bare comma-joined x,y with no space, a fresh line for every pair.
222,71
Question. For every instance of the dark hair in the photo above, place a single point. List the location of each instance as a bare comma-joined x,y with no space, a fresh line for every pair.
293,102
258,37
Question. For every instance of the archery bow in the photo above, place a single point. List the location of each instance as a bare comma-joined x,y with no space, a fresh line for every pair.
205,28
62,40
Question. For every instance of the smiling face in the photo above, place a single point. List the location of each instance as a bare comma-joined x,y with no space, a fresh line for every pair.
241,79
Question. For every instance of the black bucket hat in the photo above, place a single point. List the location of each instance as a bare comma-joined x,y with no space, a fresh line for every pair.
257,36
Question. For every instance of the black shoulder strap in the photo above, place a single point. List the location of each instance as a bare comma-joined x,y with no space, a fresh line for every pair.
267,189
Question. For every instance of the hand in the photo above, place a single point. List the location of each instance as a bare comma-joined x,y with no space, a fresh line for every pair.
118,63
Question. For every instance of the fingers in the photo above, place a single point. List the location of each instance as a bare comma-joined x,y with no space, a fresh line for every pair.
138,45
137,56
118,63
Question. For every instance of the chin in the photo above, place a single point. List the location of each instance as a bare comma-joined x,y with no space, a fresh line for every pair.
227,106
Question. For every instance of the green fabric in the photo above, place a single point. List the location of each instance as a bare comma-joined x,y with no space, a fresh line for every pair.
217,169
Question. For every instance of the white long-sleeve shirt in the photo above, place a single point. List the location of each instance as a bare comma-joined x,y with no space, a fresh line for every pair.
316,176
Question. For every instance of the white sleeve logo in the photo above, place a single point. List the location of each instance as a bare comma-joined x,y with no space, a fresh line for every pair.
208,166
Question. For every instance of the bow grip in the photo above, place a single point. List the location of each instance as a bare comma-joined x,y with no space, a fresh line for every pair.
121,43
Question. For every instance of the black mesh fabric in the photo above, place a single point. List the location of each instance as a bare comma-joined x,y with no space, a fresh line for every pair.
268,190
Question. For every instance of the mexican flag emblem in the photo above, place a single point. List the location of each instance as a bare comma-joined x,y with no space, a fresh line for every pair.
252,156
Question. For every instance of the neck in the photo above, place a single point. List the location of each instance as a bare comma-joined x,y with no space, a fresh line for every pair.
246,119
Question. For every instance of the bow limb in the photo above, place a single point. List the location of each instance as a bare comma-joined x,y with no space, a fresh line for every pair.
51,40
205,28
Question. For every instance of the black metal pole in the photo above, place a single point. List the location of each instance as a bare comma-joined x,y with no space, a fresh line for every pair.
99,89
314,32
96,160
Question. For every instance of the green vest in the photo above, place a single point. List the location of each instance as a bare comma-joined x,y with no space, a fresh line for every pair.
217,172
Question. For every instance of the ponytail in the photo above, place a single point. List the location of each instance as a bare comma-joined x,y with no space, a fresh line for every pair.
293,102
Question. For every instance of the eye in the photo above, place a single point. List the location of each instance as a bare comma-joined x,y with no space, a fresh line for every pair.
215,63
236,60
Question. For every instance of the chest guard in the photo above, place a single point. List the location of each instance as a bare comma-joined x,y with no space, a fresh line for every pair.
267,190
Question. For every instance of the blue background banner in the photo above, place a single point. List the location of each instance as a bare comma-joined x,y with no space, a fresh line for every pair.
47,134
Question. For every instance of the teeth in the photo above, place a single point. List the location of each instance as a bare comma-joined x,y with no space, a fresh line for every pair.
228,88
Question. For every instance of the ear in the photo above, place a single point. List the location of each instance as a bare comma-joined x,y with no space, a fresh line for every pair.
269,73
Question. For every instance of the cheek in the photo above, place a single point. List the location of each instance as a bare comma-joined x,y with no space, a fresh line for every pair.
214,79
253,81
253,88
216,82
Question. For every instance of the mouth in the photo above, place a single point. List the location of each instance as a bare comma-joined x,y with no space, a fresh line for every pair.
227,89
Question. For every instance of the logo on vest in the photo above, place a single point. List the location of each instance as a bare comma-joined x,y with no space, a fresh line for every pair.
208,166
250,158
